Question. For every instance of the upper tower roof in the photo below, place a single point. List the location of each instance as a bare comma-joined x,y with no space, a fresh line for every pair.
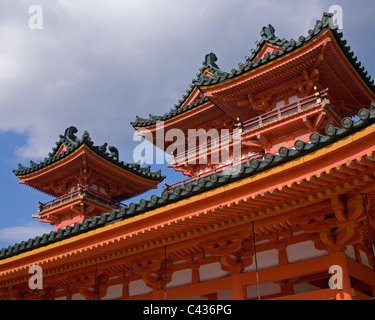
322,54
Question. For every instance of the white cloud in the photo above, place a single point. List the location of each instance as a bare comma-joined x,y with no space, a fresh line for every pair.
17,234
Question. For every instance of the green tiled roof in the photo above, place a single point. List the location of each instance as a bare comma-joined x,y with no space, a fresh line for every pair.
333,134
142,122
268,36
73,143
209,64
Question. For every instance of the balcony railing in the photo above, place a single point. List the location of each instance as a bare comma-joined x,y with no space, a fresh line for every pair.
288,109
82,191
302,105
219,169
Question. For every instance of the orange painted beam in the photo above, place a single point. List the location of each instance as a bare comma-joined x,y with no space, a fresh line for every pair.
361,272
289,271
360,296
199,289
324,294
146,296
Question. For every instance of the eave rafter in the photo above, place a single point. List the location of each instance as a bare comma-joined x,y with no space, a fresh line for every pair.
340,81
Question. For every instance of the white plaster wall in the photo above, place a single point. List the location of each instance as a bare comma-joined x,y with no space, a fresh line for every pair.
265,259
113,292
179,278
77,296
138,287
350,253
365,260
211,271
303,251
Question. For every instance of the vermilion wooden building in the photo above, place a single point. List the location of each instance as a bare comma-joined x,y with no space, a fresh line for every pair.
301,201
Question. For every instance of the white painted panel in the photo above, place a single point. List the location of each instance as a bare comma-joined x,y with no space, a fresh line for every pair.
365,260
293,99
113,292
77,296
179,278
138,287
349,252
303,251
265,259
211,271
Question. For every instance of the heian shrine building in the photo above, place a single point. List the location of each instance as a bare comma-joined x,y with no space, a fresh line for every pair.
299,204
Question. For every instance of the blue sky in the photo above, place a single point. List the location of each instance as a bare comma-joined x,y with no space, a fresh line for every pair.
96,64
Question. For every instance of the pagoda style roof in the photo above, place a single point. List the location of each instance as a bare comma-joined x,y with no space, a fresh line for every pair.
70,145
268,37
73,143
203,184
211,75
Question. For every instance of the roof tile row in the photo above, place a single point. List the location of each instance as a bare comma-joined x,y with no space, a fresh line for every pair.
72,143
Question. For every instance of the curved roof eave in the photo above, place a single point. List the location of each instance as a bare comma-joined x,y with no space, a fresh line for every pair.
73,143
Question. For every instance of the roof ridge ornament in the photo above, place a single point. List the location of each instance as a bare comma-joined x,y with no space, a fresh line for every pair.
70,133
114,152
268,32
103,148
327,19
86,138
210,60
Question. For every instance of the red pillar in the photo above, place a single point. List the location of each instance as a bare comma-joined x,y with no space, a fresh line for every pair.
238,289
158,295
